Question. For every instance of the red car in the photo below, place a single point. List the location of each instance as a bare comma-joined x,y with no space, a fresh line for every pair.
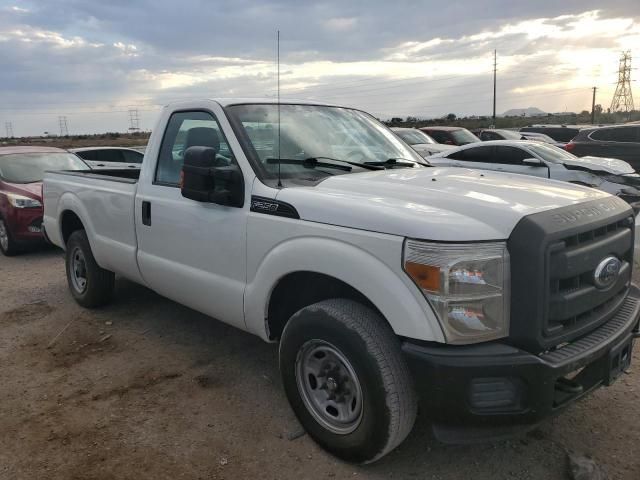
21,173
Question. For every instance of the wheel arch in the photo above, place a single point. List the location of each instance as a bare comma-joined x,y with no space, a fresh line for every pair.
342,269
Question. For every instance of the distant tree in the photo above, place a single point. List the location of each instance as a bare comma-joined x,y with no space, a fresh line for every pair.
411,120
584,113
598,109
451,117
396,120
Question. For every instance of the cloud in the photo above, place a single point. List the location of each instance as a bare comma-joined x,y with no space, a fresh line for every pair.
82,56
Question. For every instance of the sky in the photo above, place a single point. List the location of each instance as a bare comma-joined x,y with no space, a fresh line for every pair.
93,61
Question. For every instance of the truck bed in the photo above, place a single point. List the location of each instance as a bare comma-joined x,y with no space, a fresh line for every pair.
105,201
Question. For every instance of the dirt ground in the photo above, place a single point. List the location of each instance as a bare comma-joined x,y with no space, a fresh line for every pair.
146,388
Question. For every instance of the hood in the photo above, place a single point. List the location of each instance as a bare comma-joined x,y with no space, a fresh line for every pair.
31,190
610,165
445,204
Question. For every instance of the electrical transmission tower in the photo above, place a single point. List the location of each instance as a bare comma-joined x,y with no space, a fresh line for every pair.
623,99
64,127
9,127
134,120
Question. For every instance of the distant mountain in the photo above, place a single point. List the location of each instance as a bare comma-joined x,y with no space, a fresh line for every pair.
524,112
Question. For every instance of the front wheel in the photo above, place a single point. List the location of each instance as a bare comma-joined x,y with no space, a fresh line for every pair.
8,245
346,380
90,285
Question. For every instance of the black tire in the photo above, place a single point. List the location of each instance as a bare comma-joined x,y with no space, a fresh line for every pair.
361,335
98,283
8,246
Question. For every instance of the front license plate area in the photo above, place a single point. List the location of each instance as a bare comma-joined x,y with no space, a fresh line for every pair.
619,360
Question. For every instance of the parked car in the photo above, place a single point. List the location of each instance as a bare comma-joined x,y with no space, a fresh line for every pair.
618,141
420,141
450,135
498,134
541,160
382,279
21,173
110,157
541,137
560,133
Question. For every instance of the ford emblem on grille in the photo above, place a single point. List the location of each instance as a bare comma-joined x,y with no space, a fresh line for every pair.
607,271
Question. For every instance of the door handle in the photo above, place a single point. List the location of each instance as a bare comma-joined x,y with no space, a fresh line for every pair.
146,213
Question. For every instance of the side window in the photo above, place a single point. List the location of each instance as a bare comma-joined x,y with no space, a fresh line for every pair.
511,155
184,130
490,136
478,154
624,134
132,157
439,136
104,155
457,155
602,134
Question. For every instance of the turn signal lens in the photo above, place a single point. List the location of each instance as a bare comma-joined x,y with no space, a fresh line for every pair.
426,276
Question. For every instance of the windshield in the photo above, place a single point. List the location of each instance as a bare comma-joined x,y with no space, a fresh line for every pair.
550,153
415,137
314,131
464,136
30,167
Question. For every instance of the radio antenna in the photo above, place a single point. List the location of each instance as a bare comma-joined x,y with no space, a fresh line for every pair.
278,62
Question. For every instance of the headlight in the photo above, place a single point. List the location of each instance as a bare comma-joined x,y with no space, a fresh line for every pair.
19,201
466,284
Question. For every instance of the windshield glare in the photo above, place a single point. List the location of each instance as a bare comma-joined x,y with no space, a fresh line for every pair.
415,137
550,153
464,136
30,167
315,131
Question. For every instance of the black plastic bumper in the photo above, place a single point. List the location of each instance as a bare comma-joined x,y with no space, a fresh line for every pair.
492,390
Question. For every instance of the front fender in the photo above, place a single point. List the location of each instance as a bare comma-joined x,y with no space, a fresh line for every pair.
392,293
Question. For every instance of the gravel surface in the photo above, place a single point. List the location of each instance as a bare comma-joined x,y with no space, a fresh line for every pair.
146,388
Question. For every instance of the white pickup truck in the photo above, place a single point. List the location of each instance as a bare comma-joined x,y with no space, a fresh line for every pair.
495,299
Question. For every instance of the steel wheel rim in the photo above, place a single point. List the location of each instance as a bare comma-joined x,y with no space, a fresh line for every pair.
329,387
4,235
78,270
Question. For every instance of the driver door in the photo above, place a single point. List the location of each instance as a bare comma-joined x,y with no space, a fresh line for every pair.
192,252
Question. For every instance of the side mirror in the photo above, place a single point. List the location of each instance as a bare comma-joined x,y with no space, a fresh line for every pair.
202,180
533,162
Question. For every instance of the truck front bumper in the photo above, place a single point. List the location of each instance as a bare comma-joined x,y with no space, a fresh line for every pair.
494,390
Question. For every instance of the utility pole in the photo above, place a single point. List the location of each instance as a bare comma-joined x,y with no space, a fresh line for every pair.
64,127
134,120
593,106
623,99
495,68
9,127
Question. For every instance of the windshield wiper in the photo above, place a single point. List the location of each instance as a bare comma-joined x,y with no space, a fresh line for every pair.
313,162
394,162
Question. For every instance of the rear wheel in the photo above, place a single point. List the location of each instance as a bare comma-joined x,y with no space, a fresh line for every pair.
346,380
90,285
8,245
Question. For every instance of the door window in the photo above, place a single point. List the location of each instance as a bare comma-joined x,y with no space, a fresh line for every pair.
132,157
619,134
106,155
475,154
184,130
511,155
